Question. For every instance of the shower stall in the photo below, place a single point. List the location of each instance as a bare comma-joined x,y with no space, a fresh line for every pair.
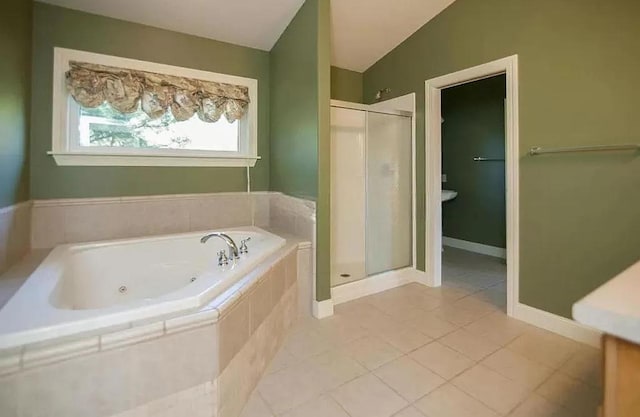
371,191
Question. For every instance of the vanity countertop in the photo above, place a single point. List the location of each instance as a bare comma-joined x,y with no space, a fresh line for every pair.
614,308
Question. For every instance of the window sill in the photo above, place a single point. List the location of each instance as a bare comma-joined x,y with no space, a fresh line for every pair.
105,159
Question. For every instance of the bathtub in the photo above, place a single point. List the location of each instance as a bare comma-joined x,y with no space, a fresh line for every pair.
89,287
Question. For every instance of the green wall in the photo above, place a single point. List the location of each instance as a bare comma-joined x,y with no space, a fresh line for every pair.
294,106
579,66
346,85
15,50
323,208
55,26
474,126
300,85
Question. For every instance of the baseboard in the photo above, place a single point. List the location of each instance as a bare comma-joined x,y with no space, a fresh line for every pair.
375,284
557,324
475,247
322,309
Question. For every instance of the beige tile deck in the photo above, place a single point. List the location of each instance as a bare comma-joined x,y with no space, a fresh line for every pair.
399,353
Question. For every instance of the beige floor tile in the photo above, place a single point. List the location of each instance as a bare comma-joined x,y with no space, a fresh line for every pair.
422,300
405,338
337,367
536,406
461,283
303,323
432,326
338,330
517,368
442,360
408,378
449,401
409,412
382,323
351,307
371,351
370,318
388,301
498,328
357,312
448,294
544,347
571,393
367,396
472,346
256,407
585,365
495,295
282,359
406,296
293,386
306,343
406,313
323,406
476,305
324,368
455,315
496,391
427,302
467,286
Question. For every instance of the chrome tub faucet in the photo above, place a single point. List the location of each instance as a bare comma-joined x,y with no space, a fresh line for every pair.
234,252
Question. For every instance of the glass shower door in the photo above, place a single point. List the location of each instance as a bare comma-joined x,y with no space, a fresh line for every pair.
348,130
389,231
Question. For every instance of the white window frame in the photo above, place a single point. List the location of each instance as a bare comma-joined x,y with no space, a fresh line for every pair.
66,113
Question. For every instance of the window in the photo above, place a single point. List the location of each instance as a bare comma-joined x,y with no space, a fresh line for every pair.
102,135
103,127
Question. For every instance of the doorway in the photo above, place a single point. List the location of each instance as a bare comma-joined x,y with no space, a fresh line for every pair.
433,173
473,189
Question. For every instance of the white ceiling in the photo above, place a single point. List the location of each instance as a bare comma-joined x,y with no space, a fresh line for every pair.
363,31
253,23
366,30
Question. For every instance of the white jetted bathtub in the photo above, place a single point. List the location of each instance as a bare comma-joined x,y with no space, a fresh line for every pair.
86,287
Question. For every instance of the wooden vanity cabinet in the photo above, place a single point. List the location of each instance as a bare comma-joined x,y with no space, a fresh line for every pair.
621,374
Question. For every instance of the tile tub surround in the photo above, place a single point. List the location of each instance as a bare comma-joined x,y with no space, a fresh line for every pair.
15,229
61,221
293,215
146,365
56,222
297,216
228,394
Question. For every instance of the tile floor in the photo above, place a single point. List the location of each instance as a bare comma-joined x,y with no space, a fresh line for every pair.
416,351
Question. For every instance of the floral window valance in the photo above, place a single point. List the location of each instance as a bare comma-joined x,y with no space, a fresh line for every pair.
125,89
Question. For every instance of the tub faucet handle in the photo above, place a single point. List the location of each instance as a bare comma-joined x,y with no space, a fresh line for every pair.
222,258
243,245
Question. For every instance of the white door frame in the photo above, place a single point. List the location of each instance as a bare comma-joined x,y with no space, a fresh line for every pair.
433,170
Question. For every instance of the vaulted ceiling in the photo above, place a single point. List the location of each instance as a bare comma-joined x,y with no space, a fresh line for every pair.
254,23
366,30
363,31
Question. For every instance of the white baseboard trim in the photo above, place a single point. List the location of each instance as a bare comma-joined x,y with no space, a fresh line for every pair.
375,284
475,247
557,324
322,309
